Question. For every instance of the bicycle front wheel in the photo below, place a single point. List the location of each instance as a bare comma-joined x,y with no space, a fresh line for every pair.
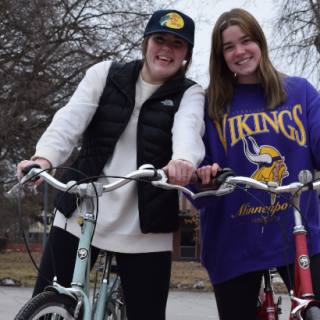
46,305
313,313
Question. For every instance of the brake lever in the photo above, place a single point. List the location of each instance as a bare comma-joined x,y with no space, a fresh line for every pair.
29,172
164,185
162,179
15,188
161,182
223,190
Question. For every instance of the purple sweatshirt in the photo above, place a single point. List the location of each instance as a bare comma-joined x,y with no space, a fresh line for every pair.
288,137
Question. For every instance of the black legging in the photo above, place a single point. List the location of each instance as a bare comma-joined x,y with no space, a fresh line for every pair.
145,277
237,298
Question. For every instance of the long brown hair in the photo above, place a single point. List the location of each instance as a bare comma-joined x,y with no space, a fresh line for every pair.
184,67
222,80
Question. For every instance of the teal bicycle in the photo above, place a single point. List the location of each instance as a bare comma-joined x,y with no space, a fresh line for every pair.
73,303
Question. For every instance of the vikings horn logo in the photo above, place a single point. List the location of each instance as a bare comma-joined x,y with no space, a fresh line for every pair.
271,166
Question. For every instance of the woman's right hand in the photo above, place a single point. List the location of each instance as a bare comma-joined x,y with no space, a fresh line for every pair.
43,163
205,173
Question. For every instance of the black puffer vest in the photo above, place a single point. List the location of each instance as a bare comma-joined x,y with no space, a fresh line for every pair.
158,208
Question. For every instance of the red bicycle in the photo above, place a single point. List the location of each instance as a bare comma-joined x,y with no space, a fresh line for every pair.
303,304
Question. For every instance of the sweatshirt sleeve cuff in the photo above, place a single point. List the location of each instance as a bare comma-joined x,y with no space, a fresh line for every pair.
50,155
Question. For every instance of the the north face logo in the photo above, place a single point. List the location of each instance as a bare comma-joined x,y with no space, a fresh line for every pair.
167,103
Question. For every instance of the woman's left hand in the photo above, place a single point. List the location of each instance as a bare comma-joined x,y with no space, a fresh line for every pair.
179,172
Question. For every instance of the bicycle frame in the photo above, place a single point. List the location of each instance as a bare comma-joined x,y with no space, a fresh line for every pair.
81,278
304,293
103,304
303,282
269,310
303,297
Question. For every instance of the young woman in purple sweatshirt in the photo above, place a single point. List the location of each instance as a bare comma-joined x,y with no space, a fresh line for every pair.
254,110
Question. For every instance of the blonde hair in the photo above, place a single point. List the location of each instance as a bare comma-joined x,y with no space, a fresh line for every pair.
222,80
184,67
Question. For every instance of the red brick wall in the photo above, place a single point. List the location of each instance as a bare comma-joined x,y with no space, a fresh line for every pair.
176,245
22,247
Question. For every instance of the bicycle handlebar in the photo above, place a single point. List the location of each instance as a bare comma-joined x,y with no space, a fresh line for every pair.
158,178
226,182
231,182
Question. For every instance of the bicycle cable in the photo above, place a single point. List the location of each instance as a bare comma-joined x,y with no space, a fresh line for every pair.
264,206
290,203
290,275
302,216
55,210
23,233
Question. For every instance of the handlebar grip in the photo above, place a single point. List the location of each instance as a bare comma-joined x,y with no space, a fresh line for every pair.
217,181
27,169
211,185
193,179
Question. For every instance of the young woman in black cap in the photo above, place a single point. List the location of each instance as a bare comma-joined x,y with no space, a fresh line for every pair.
144,111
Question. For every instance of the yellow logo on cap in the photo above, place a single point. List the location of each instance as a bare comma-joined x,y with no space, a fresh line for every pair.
172,20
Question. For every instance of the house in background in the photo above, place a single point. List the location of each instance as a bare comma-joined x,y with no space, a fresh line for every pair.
186,241
34,236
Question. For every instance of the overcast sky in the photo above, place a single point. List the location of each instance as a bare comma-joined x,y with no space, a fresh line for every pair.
262,10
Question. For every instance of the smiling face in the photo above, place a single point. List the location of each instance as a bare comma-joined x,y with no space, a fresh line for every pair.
164,56
241,54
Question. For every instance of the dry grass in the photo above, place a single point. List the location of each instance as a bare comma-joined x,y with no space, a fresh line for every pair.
18,266
184,274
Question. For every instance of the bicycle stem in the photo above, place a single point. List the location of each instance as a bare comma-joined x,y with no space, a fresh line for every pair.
299,228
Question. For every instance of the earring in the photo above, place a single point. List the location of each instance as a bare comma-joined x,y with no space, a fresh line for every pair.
235,75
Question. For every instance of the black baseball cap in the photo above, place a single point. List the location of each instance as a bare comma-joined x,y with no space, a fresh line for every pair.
171,21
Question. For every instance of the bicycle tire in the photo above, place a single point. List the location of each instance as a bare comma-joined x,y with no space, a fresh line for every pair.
313,313
45,304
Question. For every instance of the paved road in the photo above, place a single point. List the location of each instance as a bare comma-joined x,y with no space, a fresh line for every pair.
181,305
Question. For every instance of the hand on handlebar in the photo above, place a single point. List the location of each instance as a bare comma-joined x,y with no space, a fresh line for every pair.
179,172
43,163
205,173
212,177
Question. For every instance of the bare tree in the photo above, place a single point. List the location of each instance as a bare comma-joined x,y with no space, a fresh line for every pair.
45,48
296,37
